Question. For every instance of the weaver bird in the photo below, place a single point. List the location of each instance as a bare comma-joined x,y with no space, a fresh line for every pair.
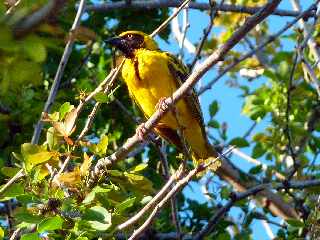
153,75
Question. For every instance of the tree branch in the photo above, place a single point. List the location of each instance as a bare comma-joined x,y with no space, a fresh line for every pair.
106,7
235,197
260,47
59,73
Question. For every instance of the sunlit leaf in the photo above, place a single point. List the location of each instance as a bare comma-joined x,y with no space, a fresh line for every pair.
1,233
139,167
102,146
98,217
64,109
30,236
125,204
85,166
71,178
32,160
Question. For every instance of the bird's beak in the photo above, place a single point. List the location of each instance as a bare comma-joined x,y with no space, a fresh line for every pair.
115,41
122,45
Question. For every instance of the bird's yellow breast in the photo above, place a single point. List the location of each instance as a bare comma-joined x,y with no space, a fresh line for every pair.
148,79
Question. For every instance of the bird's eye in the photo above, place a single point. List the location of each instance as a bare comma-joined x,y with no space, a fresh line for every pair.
130,36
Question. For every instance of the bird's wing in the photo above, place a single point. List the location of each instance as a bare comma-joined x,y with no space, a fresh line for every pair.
180,73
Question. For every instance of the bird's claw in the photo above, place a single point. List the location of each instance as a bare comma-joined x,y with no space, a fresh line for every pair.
141,131
162,105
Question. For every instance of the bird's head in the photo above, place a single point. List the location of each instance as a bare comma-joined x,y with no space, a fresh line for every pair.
129,41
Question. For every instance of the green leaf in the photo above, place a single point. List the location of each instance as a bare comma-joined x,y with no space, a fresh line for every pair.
115,173
13,191
214,123
37,158
91,196
239,142
295,222
102,146
28,217
213,108
9,171
223,236
50,224
30,236
145,200
139,167
34,48
2,8
225,192
101,97
258,151
125,204
28,148
283,69
64,109
98,218
1,233
256,170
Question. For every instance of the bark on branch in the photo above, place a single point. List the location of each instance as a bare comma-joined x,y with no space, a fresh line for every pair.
106,7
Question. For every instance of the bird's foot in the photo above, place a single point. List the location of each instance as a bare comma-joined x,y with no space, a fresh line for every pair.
162,105
141,131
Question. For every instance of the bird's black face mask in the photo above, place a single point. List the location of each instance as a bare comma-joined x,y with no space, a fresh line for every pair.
127,44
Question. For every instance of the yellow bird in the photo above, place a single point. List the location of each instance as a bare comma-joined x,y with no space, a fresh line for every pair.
153,75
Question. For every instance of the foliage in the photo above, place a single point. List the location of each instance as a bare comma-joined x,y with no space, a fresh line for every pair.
69,208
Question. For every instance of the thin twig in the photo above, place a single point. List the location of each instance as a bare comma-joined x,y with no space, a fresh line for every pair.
185,27
165,23
11,8
12,180
259,47
173,200
15,234
287,129
153,202
310,40
307,68
235,197
179,185
59,73
213,12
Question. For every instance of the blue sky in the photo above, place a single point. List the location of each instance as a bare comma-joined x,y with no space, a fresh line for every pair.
229,100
